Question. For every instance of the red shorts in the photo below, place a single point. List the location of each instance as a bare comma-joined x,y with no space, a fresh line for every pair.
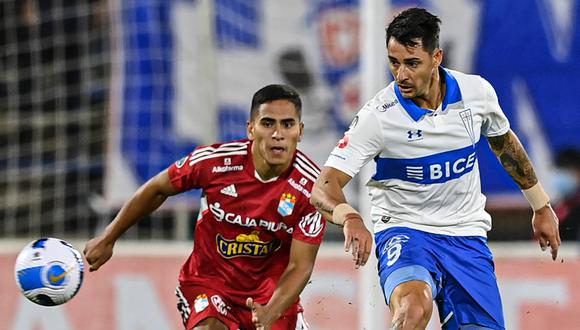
197,303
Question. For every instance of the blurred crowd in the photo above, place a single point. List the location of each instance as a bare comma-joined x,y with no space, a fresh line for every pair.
567,183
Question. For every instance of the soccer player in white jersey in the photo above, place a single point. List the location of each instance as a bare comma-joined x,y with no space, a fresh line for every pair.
427,207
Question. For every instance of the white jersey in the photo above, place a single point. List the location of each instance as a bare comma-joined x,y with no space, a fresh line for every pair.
427,174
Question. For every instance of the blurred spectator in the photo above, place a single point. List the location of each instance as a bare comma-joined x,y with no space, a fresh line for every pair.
567,183
320,135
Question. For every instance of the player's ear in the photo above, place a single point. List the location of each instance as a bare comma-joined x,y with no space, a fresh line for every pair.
301,132
438,56
250,129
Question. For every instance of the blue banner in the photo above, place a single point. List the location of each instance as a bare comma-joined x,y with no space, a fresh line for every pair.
528,50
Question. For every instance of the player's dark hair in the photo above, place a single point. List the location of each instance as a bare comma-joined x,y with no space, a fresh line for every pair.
412,24
275,92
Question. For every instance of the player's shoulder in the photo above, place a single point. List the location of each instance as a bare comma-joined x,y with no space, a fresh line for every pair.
218,152
306,168
384,100
470,83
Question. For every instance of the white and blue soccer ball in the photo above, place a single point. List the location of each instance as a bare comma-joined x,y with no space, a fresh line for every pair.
49,271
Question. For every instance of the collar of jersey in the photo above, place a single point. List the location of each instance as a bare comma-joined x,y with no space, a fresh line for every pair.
452,95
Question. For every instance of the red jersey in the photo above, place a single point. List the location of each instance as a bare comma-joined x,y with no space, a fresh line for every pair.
246,225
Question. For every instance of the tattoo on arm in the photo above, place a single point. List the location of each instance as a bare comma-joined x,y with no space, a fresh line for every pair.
514,159
322,208
325,210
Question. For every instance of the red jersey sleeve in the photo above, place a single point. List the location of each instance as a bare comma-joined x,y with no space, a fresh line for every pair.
185,173
311,226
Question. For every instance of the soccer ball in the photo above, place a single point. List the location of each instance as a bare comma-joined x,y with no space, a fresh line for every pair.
49,271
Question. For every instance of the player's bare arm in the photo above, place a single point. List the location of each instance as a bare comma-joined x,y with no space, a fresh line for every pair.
328,198
145,200
516,162
327,192
291,284
514,159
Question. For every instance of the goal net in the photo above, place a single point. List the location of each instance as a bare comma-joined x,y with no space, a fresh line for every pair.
54,60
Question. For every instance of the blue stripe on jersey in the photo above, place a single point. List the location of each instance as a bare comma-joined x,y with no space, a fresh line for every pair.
452,95
436,168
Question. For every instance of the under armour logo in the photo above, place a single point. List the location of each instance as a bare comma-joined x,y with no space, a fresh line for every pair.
415,135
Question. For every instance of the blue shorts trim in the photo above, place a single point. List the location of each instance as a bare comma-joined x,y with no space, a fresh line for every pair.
474,327
406,274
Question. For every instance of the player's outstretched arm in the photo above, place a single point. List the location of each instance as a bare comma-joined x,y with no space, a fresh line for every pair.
145,200
328,198
291,284
516,162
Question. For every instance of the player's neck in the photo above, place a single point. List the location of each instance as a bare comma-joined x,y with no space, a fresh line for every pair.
267,172
435,94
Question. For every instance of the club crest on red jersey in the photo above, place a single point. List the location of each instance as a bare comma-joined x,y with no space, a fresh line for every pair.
286,205
201,302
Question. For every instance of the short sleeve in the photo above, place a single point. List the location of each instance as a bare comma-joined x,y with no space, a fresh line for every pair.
361,143
311,226
184,174
495,123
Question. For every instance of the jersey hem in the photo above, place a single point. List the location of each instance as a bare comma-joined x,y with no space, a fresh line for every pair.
499,133
449,231
346,171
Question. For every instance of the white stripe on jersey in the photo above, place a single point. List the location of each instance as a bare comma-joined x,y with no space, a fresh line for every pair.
305,167
309,164
304,172
301,323
203,206
223,148
182,305
215,155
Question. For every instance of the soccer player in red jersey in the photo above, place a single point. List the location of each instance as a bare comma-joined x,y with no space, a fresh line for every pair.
257,235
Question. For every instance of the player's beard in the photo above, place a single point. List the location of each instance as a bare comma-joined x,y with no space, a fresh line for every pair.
277,159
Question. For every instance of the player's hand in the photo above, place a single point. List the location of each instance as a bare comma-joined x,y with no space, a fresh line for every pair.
545,226
357,239
98,251
261,316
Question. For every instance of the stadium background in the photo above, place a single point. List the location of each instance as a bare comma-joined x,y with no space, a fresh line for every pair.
96,96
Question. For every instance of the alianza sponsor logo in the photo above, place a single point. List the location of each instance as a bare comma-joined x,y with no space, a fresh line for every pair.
227,168
298,187
244,221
